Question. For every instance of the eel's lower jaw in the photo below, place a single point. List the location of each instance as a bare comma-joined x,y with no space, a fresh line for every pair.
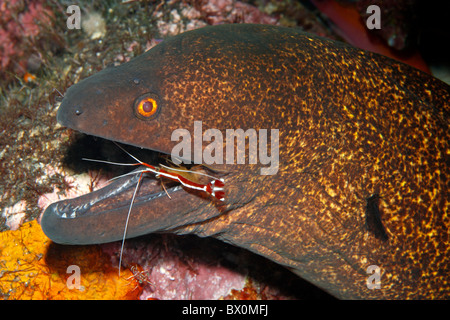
99,216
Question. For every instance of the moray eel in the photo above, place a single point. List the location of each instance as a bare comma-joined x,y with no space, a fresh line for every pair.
359,203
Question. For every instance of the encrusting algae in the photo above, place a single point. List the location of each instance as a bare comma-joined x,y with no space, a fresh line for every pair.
32,267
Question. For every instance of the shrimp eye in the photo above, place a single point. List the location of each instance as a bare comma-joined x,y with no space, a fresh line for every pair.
146,106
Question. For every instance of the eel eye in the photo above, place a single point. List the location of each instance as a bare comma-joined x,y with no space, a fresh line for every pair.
146,106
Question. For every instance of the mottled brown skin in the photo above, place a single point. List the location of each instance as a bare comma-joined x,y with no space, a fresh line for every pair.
352,125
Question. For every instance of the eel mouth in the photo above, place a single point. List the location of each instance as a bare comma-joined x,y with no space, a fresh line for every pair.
100,216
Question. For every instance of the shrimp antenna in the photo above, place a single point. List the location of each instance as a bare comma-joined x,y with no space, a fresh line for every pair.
126,222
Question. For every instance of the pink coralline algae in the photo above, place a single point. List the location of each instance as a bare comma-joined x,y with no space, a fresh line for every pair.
229,11
21,24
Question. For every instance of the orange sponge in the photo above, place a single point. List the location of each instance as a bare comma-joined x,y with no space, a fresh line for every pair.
32,267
